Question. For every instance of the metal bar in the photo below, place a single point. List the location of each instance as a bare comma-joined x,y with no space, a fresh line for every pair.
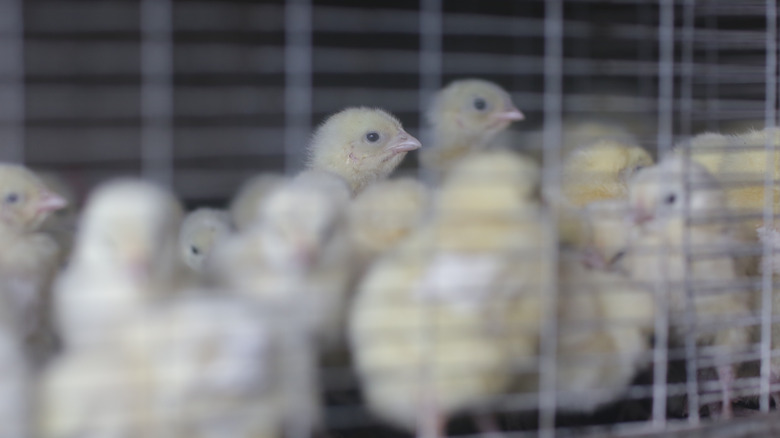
298,81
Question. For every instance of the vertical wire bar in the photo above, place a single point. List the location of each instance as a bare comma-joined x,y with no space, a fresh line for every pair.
711,73
297,81
686,109
553,113
157,91
766,276
665,108
430,66
12,87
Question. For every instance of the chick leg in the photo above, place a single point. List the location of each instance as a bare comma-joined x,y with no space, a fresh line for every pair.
487,424
726,377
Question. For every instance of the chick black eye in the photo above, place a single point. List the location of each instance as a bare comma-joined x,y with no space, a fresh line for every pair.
195,250
373,137
11,198
670,199
480,104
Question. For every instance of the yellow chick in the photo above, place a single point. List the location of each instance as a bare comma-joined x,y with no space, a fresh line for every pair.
30,258
126,256
201,231
742,172
384,214
466,116
61,224
245,205
601,170
708,149
362,145
607,230
197,366
298,255
577,133
604,335
658,197
440,322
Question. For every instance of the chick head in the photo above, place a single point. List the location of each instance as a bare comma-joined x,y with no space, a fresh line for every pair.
200,232
26,201
473,109
299,220
361,145
488,183
664,193
130,227
602,170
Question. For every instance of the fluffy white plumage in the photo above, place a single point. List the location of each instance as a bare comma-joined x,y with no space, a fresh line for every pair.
125,257
201,231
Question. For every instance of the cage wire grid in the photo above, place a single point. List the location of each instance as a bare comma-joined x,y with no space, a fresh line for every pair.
198,95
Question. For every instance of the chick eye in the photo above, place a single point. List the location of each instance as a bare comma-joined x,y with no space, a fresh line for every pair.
670,199
195,250
372,137
480,104
11,198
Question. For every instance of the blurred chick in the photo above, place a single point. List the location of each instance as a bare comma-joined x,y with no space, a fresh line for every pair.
362,145
466,116
604,337
197,366
30,258
61,224
126,256
608,230
707,149
201,231
440,322
578,133
657,256
298,254
246,203
601,170
384,214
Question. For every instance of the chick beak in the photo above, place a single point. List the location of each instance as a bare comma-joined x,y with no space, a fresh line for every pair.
51,202
304,255
403,142
641,215
510,114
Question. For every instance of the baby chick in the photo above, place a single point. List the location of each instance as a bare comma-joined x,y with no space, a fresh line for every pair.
297,255
708,149
466,116
197,366
604,335
658,197
126,256
246,203
439,322
30,258
384,214
201,231
601,170
578,133
362,145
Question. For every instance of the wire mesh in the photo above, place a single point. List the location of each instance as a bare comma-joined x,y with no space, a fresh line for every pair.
200,95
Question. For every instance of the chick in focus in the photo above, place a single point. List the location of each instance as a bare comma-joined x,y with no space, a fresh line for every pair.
197,366
384,214
245,206
201,231
126,256
361,145
440,322
30,258
601,170
466,116
660,200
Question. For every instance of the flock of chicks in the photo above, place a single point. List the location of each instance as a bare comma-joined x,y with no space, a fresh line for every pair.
132,320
